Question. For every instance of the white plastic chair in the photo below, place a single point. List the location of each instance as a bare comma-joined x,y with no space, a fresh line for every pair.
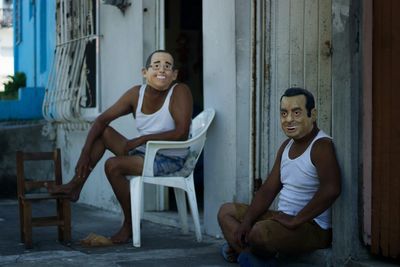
181,181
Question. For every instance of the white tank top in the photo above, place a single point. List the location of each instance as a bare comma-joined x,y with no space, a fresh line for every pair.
300,182
157,122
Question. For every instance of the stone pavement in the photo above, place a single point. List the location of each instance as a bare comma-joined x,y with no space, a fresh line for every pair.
161,245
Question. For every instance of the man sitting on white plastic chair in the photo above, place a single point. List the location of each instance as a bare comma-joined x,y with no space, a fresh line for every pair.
162,109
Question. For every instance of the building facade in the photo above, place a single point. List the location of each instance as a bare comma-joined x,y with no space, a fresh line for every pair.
238,56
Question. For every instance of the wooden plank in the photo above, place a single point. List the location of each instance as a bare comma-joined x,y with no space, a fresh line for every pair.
296,43
300,35
36,184
282,37
280,70
46,221
38,155
311,37
385,88
394,229
44,196
376,185
385,238
324,100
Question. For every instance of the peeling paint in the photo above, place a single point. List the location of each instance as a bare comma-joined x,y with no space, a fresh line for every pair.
340,14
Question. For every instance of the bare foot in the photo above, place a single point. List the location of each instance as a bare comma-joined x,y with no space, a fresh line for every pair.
71,189
123,235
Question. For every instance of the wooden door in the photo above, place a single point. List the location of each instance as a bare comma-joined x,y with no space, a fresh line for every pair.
385,237
300,56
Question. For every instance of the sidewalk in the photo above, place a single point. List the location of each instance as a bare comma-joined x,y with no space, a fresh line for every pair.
161,245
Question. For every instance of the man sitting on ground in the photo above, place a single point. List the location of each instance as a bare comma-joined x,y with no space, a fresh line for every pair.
307,176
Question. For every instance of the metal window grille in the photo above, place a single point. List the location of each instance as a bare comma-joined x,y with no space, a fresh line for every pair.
72,79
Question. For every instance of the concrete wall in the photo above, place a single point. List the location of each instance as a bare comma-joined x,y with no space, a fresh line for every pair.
121,60
226,40
345,128
26,136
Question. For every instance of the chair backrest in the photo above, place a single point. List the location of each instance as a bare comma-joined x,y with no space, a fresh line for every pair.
199,128
27,184
196,141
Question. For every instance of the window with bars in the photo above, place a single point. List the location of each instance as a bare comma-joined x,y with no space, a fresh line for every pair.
72,86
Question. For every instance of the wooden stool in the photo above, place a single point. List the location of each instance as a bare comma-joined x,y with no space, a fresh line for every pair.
26,198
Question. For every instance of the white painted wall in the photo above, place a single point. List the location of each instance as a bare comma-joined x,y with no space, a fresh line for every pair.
6,55
121,61
226,89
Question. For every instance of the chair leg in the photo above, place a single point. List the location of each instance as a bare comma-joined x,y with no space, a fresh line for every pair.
21,220
193,206
64,215
60,217
182,210
28,224
136,188
67,220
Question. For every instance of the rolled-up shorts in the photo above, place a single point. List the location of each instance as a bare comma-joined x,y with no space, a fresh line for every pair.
163,165
276,238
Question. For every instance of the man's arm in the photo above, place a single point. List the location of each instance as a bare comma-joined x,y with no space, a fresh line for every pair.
181,108
122,107
262,199
323,157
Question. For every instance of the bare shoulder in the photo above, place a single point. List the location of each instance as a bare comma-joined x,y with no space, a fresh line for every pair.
280,150
282,147
134,97
323,143
182,89
134,90
182,93
182,86
323,149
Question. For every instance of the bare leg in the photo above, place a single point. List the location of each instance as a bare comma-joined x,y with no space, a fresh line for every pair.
229,224
116,168
111,140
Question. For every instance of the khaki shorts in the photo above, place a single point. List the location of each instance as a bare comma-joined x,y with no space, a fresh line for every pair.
277,238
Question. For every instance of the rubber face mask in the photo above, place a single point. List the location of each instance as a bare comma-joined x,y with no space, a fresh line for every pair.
160,73
295,122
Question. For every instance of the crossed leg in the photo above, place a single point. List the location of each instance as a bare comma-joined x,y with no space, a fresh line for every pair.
229,221
229,224
111,140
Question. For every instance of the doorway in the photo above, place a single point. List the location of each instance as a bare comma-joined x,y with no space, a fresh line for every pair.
183,38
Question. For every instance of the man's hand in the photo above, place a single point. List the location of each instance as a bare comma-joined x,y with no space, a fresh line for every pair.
286,220
241,234
132,144
83,167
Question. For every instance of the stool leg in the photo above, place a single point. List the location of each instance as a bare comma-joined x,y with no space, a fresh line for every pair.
67,220
64,215
21,220
60,217
28,225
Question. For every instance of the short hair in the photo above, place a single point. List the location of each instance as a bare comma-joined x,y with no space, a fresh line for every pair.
294,91
148,60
